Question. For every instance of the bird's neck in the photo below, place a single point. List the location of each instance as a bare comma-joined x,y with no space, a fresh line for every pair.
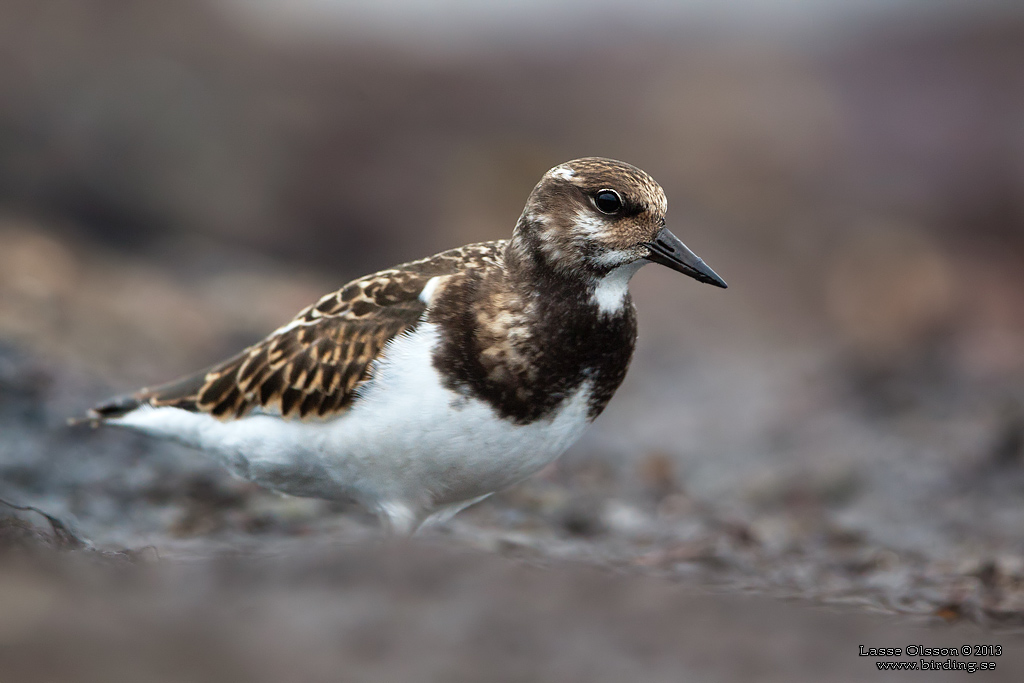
534,334
535,261
556,269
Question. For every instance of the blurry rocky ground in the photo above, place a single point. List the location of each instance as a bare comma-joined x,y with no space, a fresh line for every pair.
310,611
844,424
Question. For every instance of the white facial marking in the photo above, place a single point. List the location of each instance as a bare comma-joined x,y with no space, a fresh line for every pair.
563,172
610,292
613,257
537,217
589,224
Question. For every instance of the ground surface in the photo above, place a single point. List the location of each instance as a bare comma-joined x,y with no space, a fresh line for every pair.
331,611
594,570
830,453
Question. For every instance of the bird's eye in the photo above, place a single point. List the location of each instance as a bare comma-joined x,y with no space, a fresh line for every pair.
607,201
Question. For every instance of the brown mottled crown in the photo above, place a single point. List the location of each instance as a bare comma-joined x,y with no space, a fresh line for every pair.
562,219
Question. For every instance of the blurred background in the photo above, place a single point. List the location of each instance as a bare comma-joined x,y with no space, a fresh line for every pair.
845,423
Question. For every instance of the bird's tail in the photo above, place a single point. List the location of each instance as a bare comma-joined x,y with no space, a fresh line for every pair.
109,409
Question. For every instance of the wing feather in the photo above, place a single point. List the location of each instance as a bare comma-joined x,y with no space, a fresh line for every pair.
312,367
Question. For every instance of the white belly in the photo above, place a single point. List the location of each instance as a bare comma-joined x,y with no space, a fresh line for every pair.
408,446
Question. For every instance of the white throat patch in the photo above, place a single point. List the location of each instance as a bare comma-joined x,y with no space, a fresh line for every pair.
610,291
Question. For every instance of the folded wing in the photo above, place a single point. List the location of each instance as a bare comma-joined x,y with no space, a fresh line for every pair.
313,366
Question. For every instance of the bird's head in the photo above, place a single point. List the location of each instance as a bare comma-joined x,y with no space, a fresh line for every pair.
598,216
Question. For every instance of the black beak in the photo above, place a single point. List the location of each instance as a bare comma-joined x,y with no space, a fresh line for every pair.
668,250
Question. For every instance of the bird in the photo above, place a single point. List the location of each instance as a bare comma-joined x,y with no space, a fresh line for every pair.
421,389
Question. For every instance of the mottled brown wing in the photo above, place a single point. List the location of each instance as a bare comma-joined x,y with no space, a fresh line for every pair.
313,366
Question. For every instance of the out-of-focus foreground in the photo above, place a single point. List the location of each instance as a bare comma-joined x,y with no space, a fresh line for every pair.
844,424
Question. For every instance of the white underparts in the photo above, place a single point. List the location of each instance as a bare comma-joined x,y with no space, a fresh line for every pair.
409,447
610,291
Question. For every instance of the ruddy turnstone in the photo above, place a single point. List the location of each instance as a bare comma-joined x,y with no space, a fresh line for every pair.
421,389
